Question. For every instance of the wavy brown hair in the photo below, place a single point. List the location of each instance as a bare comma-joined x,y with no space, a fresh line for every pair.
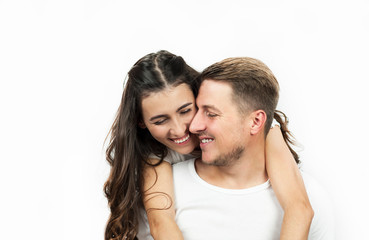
129,145
254,87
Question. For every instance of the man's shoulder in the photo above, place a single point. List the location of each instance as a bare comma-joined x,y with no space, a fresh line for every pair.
310,180
318,195
313,187
322,226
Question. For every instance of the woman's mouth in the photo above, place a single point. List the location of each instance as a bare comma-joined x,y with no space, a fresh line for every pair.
181,140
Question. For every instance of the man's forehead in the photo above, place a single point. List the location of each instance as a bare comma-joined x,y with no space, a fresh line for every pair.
211,91
211,84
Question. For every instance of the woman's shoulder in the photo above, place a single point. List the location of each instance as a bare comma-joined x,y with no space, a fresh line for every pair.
173,157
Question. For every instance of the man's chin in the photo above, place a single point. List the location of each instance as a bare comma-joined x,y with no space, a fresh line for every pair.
214,161
223,160
206,159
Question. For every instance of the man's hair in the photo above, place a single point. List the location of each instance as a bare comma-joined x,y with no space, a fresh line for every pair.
253,83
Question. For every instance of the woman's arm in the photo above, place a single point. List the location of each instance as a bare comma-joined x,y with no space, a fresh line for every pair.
289,187
158,197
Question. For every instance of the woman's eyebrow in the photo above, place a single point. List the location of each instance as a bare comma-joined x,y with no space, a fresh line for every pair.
183,106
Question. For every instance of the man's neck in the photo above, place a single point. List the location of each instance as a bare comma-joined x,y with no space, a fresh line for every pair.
248,171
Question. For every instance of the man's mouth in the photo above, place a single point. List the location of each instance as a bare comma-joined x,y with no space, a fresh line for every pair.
205,139
181,140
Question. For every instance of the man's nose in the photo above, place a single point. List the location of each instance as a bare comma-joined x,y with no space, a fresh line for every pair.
197,125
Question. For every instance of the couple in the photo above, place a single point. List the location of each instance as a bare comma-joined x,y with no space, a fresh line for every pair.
223,191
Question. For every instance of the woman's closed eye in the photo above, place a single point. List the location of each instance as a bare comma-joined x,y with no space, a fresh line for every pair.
161,121
185,111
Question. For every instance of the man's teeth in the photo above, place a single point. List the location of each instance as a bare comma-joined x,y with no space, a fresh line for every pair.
206,140
183,139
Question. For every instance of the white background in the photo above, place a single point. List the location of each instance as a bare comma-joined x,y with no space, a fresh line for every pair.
62,66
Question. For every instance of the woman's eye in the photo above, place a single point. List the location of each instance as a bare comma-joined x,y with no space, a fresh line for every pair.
186,111
160,122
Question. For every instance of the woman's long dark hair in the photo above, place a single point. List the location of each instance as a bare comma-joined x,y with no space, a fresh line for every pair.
129,145
282,119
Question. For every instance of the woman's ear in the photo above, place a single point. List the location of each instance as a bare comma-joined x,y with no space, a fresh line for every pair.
141,124
258,118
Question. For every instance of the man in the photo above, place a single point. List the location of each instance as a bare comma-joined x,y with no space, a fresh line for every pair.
226,194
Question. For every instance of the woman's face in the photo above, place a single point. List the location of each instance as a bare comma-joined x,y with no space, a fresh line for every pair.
167,115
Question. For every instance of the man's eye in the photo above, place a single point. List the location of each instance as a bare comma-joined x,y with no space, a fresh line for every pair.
160,122
209,114
186,111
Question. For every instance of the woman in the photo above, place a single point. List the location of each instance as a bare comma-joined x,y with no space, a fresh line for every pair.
150,132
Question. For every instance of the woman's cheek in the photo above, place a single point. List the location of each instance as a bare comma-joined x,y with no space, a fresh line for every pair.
156,132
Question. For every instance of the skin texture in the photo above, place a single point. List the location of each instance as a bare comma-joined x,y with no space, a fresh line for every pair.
280,166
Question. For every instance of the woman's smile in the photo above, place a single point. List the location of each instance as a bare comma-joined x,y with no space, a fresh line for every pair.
182,140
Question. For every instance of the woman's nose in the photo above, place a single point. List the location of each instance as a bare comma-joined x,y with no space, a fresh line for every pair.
178,128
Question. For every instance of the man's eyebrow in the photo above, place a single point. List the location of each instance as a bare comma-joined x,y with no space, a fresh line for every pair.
183,106
210,107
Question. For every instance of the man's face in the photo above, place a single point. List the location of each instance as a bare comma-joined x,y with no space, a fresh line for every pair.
218,123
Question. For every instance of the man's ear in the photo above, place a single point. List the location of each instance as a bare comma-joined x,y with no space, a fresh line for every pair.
258,118
141,124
